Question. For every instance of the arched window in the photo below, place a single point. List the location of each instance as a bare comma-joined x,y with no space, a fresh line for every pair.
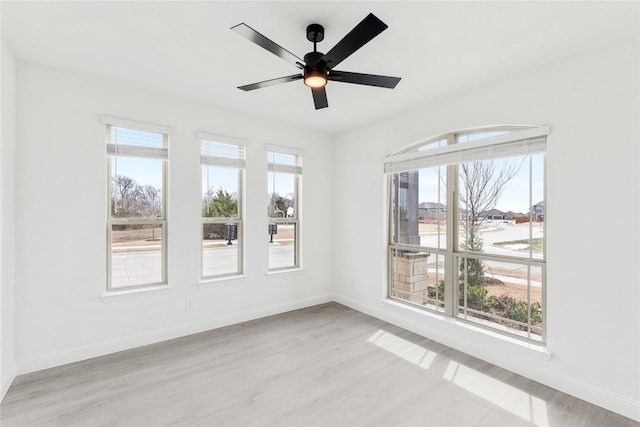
467,227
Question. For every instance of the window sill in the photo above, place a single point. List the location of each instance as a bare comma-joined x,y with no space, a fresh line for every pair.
538,351
126,294
209,282
284,271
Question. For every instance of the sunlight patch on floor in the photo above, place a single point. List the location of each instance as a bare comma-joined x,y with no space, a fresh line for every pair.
509,398
403,348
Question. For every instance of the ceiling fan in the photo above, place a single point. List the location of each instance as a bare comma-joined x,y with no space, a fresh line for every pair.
318,68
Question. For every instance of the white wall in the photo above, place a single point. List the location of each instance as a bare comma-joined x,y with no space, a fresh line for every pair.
61,222
7,216
591,103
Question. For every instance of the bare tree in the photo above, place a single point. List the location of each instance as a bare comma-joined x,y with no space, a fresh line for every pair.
150,200
482,185
130,199
480,189
122,189
207,198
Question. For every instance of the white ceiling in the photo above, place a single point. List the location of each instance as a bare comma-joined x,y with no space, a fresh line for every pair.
186,49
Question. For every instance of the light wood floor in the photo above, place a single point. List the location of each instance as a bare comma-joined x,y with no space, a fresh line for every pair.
322,366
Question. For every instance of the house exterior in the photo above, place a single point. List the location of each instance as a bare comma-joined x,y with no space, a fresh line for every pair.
431,211
492,214
538,211
511,215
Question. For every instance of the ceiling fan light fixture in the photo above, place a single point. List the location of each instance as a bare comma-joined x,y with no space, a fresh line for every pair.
315,78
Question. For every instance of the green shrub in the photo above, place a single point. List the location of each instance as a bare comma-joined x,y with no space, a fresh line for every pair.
441,290
536,313
475,296
510,308
517,310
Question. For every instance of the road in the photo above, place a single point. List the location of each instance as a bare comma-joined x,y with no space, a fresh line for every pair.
495,232
131,267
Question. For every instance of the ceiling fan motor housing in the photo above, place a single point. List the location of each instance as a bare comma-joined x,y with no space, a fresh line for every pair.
312,58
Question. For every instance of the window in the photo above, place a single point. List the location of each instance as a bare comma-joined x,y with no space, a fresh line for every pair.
222,163
136,221
283,181
467,222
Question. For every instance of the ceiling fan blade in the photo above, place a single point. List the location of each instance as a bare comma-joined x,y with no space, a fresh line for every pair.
363,79
319,97
366,30
271,82
254,36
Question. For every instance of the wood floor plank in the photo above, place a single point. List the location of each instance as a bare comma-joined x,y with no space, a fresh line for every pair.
326,365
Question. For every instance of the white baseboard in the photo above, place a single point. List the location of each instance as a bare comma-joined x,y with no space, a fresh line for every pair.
6,383
509,355
76,354
523,361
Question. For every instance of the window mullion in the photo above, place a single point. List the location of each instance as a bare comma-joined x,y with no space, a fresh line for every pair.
452,241
450,293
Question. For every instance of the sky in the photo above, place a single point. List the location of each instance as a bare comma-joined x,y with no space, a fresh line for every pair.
516,193
432,189
515,197
144,171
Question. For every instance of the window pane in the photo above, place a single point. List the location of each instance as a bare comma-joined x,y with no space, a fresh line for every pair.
136,254
503,294
282,196
494,206
418,277
220,249
419,208
282,245
476,136
432,209
431,145
136,187
538,209
220,189
405,192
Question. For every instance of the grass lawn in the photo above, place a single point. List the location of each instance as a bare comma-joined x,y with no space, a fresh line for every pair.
537,243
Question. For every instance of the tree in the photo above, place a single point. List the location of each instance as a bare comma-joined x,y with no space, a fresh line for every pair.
150,199
480,190
130,199
481,186
278,205
220,203
122,195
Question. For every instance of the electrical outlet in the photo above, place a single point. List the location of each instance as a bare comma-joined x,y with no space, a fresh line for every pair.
353,285
188,305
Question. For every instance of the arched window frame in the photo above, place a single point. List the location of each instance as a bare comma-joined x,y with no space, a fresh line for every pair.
408,255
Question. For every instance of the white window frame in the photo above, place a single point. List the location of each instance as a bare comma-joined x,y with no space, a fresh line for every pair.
114,150
234,162
295,170
518,141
